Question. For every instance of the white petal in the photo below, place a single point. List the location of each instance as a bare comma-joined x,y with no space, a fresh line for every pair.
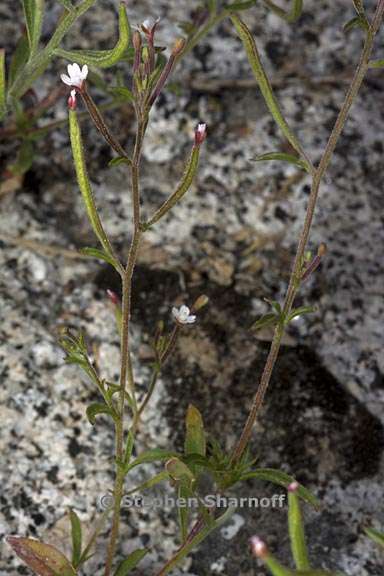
191,319
84,72
76,69
175,312
66,79
184,311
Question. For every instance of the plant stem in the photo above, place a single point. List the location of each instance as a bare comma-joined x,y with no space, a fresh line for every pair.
126,371
353,90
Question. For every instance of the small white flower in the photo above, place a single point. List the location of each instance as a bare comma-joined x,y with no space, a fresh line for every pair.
183,315
76,75
150,23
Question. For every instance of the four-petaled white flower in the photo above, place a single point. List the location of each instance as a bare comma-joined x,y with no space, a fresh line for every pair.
200,133
183,315
76,75
149,25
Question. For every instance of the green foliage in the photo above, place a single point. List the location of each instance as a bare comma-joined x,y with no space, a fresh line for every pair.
375,535
131,562
34,14
283,157
102,58
289,16
98,408
43,559
76,534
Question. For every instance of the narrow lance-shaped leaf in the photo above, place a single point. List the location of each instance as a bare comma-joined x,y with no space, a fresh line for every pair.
19,58
283,157
34,13
357,22
264,84
85,186
38,63
289,16
131,562
281,479
375,535
98,408
155,455
2,84
157,479
195,436
238,6
196,540
43,559
102,58
296,530
181,190
76,535
376,64
99,255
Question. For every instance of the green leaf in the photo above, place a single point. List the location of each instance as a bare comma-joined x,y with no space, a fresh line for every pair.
85,187
43,559
196,540
155,455
300,312
183,493
376,63
375,535
103,58
281,479
263,82
283,157
119,160
24,159
76,535
359,6
265,321
195,436
179,471
19,58
123,93
34,13
296,533
275,567
2,84
98,528
100,255
98,408
212,6
131,562
238,6
67,4
356,22
289,16
157,479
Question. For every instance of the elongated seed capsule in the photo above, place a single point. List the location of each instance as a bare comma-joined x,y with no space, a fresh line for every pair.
296,529
85,186
264,84
182,189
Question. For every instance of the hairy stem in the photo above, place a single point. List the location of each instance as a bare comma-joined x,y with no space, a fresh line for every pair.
126,371
353,90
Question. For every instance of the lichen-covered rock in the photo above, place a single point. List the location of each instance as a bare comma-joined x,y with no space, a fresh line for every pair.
233,238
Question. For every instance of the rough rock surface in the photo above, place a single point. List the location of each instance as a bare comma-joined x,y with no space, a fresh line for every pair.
233,238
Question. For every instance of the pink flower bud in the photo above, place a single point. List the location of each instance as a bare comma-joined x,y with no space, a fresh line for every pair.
113,297
258,547
72,100
200,134
293,487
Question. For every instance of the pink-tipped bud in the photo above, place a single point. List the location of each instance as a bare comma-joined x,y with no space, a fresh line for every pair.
322,250
72,100
113,297
258,547
200,134
293,487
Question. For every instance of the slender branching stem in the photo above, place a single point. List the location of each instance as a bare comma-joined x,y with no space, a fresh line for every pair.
126,371
352,92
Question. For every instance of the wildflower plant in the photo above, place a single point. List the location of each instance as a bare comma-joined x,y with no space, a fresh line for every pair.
119,401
